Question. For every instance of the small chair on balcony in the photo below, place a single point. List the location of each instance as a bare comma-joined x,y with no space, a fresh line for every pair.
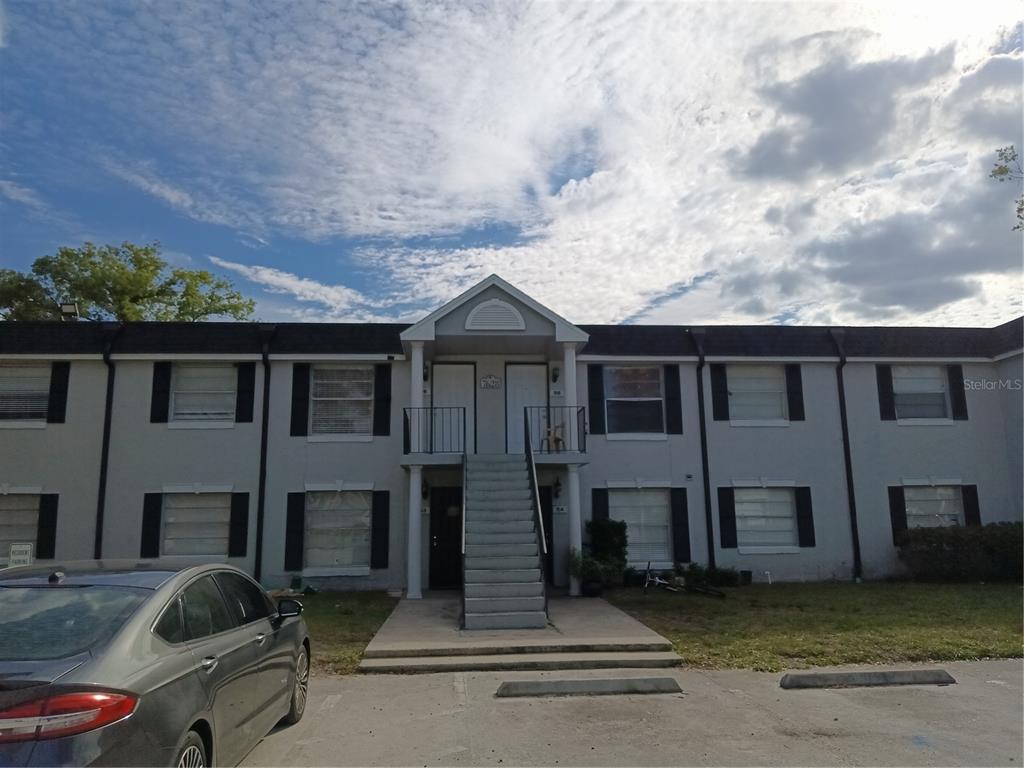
552,442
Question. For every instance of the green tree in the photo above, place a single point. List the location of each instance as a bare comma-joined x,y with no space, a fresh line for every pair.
117,282
1008,168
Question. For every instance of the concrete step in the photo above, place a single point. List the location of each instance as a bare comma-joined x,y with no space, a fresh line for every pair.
499,505
487,485
500,526
524,589
498,499
476,605
490,563
477,515
497,475
528,661
475,459
493,538
501,550
497,466
503,576
492,647
511,620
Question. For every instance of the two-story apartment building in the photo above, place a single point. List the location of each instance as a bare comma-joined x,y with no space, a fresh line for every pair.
340,452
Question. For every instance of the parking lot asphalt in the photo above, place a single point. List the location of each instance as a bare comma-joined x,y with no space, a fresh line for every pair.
721,718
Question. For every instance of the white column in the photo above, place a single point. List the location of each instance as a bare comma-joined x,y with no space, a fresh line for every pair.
572,438
575,522
416,419
413,588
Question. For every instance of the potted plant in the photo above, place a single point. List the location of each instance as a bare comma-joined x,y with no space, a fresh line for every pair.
590,571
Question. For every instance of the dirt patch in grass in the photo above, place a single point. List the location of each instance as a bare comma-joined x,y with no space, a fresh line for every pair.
341,624
787,626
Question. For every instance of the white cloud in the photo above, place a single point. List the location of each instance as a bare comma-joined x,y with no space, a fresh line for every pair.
23,195
610,136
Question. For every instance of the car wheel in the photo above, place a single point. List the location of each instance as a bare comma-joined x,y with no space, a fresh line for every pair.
301,689
192,753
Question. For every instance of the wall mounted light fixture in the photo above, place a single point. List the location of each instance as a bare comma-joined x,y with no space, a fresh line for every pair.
555,373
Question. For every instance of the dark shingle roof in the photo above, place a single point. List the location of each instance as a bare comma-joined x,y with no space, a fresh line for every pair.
55,338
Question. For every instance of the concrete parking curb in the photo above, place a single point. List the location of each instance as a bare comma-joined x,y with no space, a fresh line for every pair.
591,687
866,678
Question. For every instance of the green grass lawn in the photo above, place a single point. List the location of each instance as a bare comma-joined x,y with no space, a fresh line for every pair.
786,626
341,624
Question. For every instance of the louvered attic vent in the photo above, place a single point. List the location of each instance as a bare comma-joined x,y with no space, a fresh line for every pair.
495,315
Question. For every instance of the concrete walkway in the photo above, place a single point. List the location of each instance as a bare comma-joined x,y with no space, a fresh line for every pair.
733,718
424,636
432,625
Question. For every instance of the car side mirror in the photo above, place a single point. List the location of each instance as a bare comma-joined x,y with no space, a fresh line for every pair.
286,608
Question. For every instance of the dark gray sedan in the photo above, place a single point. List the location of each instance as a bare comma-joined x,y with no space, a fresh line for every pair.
124,664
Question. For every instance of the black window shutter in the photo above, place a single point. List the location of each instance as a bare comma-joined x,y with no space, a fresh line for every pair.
804,517
380,527
295,531
152,509
58,403
245,392
595,398
795,392
300,399
382,400
957,395
680,526
719,392
46,530
972,512
238,533
898,514
599,504
886,401
673,401
161,397
727,517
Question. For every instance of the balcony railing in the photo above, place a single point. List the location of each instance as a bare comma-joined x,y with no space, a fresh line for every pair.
556,428
434,430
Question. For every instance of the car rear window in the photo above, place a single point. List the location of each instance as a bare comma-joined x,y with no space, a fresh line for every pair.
55,622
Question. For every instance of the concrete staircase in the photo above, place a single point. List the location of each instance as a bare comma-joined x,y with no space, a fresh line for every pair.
504,587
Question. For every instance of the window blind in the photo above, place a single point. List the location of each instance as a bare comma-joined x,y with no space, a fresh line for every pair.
648,521
342,400
933,506
765,517
337,529
196,523
24,391
203,392
633,399
19,522
757,392
919,391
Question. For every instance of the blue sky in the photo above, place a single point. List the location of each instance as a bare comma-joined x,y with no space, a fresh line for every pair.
622,162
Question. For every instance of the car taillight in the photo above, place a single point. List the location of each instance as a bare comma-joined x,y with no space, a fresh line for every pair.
63,714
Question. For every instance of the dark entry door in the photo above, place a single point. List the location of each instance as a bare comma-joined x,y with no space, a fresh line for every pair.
546,502
445,538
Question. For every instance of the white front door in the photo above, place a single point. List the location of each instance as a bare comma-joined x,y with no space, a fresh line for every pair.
526,385
452,390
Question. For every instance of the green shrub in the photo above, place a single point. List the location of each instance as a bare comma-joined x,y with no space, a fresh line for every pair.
695,573
976,553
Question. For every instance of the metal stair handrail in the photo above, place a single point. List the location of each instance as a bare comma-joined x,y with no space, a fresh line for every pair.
535,499
465,482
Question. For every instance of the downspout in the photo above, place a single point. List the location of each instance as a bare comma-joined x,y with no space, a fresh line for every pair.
111,332
698,340
851,499
266,337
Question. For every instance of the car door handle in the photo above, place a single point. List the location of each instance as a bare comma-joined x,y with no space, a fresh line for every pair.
209,663
260,638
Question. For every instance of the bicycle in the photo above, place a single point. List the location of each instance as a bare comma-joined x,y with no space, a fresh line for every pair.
675,586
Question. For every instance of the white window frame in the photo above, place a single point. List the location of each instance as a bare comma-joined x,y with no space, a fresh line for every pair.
45,370
31,505
918,518
638,495
771,498
166,510
315,436
736,372
351,569
900,377
662,435
202,422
